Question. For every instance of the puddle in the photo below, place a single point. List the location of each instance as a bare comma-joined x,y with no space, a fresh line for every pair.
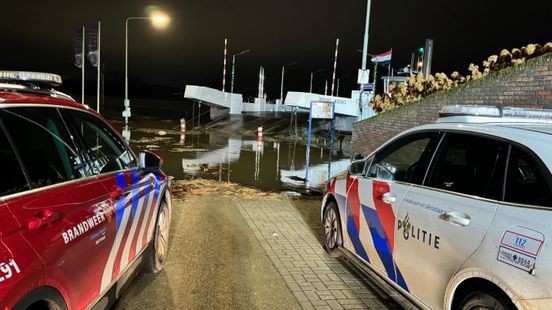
277,165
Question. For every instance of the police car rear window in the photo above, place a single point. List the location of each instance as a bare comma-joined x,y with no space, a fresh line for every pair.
525,182
470,165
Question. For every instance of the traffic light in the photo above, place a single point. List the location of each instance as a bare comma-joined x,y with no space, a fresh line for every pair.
421,50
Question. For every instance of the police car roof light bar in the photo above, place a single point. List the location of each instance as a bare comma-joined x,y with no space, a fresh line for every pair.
487,114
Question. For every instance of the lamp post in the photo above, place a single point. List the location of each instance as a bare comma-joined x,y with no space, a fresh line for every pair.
312,77
366,33
338,81
158,20
234,67
282,83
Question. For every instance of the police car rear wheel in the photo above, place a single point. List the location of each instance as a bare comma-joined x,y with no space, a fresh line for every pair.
332,230
484,300
161,239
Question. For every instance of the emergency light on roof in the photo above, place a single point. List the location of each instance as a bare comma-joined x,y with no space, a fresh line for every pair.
31,77
489,114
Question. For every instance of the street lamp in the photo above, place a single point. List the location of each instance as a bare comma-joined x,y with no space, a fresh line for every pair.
366,32
282,84
312,77
234,67
158,20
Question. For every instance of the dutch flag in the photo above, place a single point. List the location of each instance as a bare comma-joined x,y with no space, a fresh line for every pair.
383,58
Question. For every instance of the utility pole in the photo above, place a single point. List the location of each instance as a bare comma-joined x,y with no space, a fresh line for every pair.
366,31
99,66
412,64
427,58
83,63
282,83
363,71
312,77
282,86
233,72
375,76
234,68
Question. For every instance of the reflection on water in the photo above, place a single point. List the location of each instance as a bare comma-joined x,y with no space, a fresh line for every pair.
271,166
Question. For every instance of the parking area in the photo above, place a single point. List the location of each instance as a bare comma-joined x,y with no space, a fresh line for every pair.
251,254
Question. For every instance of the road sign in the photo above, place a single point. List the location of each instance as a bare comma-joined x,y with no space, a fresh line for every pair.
368,86
363,76
322,110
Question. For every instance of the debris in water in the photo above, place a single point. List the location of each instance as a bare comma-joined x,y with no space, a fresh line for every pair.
162,132
181,188
182,149
292,194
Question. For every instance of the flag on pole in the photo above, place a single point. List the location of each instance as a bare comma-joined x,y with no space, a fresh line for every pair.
93,45
383,58
78,48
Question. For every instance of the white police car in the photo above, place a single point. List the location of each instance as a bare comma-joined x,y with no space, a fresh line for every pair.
456,214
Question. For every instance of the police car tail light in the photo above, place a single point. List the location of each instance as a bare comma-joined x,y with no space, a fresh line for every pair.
30,77
485,113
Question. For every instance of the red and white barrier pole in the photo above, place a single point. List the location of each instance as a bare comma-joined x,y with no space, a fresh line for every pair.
335,65
224,67
259,149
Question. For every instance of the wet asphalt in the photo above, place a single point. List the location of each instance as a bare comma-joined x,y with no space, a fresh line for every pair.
214,262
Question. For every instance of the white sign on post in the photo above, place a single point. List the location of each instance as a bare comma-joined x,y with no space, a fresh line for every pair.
363,76
322,110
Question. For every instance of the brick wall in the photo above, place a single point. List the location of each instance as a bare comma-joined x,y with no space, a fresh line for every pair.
526,85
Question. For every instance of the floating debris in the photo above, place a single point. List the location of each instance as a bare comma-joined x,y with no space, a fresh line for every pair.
156,131
181,188
183,149
292,194
151,139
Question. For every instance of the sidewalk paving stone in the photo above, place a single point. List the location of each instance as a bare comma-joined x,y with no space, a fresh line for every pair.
317,280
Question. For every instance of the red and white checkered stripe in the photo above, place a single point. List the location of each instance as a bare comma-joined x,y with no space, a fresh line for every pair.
133,233
335,65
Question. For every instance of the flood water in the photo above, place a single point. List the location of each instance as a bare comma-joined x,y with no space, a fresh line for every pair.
269,164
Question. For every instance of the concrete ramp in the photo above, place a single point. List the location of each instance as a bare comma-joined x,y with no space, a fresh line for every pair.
215,98
343,106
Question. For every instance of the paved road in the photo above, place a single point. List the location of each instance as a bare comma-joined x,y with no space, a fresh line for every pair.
232,254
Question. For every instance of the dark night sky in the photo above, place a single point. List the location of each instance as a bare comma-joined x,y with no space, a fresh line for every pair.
37,35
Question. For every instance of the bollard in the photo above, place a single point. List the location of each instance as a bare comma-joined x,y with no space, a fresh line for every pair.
260,132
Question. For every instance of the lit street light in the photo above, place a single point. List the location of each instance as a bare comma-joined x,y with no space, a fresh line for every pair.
158,20
234,67
282,84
